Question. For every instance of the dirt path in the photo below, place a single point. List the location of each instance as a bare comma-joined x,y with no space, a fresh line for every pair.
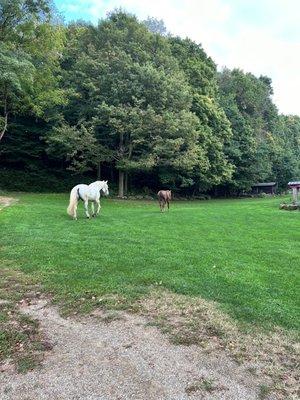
124,359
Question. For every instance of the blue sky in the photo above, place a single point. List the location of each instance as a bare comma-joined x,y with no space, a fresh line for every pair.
259,36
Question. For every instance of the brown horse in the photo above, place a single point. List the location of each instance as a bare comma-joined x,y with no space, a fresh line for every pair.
164,197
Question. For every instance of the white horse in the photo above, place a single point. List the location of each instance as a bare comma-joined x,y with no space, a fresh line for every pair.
87,193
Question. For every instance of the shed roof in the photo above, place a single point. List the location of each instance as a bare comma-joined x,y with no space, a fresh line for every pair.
264,184
295,183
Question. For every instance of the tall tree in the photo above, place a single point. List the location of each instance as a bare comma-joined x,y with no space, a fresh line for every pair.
285,147
248,105
129,87
16,81
29,54
214,127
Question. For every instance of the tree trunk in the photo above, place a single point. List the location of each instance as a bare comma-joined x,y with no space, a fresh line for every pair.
5,118
5,126
121,173
99,171
121,184
126,183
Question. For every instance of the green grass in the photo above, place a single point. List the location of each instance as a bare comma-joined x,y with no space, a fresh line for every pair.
244,254
264,391
206,385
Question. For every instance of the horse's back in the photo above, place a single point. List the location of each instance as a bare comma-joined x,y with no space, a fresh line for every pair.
160,194
80,185
81,189
164,194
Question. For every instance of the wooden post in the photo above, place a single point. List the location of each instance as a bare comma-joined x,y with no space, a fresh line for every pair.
295,194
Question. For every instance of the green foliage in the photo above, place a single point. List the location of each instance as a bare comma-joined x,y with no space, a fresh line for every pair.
76,144
16,72
125,97
285,146
216,132
16,81
29,60
262,147
46,54
155,25
198,67
18,18
135,90
39,180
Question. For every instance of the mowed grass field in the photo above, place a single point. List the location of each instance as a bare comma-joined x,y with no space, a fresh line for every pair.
243,254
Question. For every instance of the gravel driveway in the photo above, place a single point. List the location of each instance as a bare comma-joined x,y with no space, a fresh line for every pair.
124,359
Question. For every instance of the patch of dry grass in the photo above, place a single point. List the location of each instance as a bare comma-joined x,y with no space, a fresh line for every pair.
186,320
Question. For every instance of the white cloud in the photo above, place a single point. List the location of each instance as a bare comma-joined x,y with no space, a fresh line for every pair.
268,43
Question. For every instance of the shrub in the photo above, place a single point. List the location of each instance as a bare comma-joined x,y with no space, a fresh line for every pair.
38,180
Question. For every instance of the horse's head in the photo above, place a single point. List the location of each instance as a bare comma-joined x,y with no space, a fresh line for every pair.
104,188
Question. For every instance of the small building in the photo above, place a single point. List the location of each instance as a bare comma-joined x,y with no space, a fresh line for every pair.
264,187
295,186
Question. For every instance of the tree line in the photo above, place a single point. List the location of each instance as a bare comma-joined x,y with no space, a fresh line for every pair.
126,101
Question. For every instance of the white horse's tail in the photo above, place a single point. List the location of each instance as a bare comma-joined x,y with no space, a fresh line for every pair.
73,201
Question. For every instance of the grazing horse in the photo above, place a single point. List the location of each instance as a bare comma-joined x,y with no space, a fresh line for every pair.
164,197
87,193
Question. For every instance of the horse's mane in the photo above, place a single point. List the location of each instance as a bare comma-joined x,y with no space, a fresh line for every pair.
97,183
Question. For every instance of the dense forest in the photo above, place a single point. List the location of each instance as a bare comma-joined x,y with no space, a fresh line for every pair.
128,102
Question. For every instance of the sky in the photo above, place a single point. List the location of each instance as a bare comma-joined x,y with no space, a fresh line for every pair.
258,36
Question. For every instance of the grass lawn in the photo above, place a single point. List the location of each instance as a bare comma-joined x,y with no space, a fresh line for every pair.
244,254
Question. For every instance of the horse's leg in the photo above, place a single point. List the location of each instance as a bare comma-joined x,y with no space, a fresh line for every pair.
93,210
160,205
168,204
99,207
86,206
75,211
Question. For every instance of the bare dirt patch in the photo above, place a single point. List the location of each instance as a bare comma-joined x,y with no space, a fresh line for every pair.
6,201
